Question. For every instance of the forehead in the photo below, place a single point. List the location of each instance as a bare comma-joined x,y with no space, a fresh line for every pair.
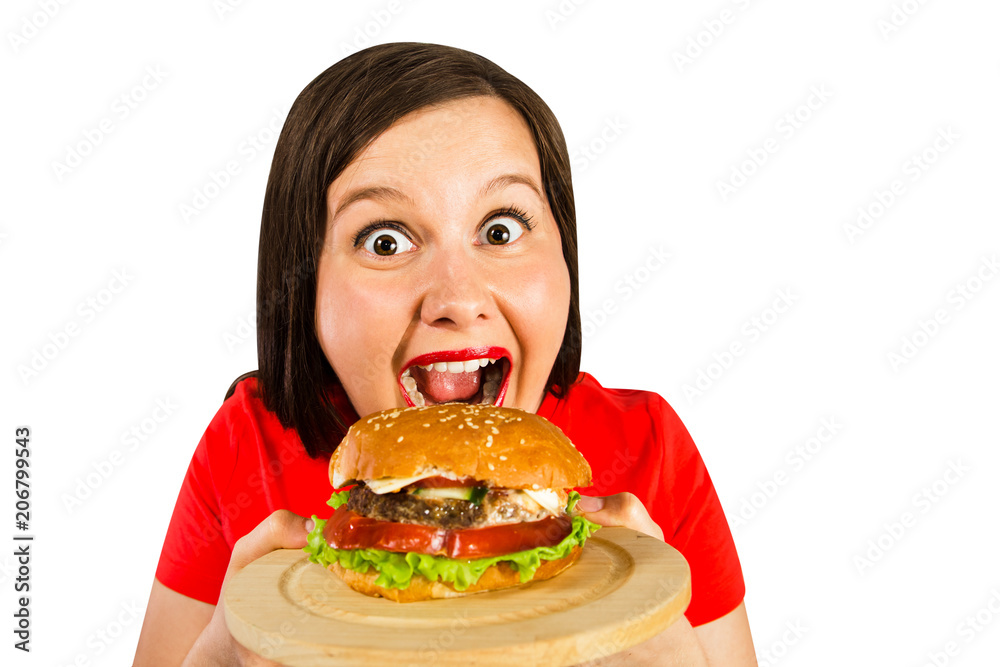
468,139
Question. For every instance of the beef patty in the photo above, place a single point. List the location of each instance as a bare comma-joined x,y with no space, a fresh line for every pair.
403,507
497,507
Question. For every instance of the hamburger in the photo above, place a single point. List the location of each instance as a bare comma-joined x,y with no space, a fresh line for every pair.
449,500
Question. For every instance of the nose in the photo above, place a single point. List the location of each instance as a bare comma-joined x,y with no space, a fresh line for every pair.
457,294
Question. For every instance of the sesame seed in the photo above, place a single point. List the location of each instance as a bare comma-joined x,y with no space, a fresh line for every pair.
503,458
495,431
376,426
427,425
488,421
400,439
461,425
490,465
522,441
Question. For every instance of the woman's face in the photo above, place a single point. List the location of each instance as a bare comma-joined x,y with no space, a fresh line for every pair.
442,276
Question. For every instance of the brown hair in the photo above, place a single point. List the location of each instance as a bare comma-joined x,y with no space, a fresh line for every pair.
333,119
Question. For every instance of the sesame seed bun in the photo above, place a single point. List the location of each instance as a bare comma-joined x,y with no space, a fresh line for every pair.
503,447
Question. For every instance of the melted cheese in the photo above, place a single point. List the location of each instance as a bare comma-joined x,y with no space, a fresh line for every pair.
393,484
547,498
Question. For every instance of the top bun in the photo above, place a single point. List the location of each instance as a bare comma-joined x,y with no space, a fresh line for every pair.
503,447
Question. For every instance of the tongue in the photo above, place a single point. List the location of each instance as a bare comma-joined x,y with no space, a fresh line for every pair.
444,387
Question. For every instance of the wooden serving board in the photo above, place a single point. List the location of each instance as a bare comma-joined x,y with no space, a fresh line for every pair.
626,588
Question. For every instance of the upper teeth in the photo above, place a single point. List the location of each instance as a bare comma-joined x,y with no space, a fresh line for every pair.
458,366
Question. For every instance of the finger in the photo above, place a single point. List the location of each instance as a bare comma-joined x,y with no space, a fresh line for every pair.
281,530
620,509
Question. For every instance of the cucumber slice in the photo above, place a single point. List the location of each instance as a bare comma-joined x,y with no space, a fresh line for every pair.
478,493
474,494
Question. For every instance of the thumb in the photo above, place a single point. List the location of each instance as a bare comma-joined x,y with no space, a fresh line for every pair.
283,529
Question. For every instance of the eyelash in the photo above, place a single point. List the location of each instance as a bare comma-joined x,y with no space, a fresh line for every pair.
508,212
512,212
368,229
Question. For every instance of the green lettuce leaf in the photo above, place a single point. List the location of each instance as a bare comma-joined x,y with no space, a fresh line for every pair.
571,501
338,498
397,569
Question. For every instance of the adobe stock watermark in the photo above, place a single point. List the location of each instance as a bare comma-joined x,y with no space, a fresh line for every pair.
624,637
105,636
448,124
246,326
223,8
957,298
704,37
966,631
366,33
583,156
217,180
776,651
921,503
912,170
430,652
899,15
751,331
231,507
120,109
245,329
560,13
796,458
131,439
59,340
8,570
592,319
786,127
31,25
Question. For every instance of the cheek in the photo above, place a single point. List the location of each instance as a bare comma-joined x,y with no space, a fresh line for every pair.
541,309
356,326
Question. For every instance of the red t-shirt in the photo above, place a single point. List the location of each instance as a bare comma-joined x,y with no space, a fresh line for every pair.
247,465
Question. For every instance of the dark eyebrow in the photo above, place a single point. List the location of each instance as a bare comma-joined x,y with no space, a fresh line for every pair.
501,182
376,192
390,194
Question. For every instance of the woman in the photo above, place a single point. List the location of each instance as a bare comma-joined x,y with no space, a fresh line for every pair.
420,202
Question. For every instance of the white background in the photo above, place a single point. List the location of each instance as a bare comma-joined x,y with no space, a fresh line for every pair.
662,134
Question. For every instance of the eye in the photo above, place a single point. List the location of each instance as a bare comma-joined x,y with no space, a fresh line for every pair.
387,242
500,232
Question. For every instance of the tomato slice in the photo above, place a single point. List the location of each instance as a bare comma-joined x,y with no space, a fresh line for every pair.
348,530
507,538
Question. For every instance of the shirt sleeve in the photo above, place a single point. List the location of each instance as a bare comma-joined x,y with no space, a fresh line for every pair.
699,527
195,553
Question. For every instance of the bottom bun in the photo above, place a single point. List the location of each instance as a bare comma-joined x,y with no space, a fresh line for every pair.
501,575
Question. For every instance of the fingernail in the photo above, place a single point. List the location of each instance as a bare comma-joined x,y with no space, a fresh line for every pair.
590,504
310,524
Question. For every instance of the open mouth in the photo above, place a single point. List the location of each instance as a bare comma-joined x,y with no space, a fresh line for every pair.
473,376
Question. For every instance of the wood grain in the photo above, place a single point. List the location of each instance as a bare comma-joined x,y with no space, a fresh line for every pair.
626,588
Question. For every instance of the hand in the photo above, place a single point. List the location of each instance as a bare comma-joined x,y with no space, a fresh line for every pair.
621,509
216,646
